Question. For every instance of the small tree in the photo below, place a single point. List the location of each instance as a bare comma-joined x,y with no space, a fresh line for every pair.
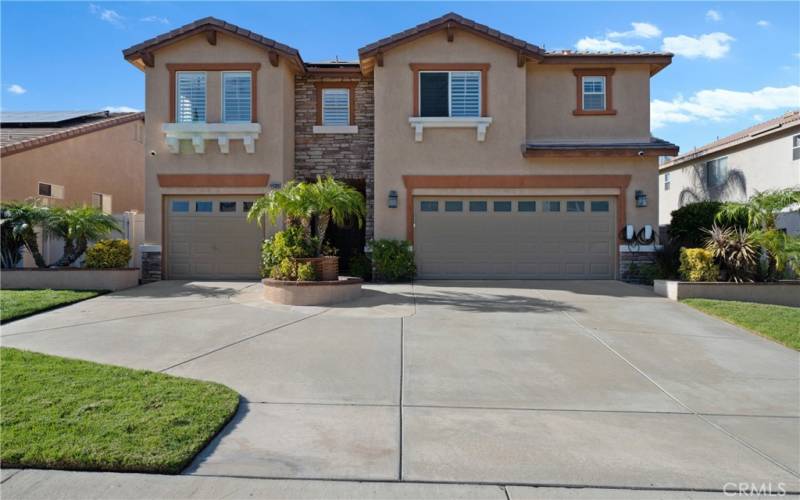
761,213
19,222
77,227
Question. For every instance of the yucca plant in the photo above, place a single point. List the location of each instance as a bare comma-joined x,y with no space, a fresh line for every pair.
78,226
735,249
761,213
19,221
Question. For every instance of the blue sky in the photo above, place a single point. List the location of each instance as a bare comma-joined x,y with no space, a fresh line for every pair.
735,63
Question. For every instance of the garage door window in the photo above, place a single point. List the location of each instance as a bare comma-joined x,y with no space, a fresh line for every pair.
454,206
227,206
526,206
429,206
180,206
246,206
502,206
203,206
576,206
552,206
478,206
599,206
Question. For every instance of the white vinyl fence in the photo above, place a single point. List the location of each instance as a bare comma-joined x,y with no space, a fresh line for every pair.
132,225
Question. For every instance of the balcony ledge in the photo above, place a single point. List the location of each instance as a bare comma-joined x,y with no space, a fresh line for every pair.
480,124
198,133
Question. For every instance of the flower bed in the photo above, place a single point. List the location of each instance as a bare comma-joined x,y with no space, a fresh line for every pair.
782,293
70,278
312,293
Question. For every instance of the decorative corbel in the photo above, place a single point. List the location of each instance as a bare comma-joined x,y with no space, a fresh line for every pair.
521,59
174,145
199,144
224,144
273,58
148,59
211,37
379,59
249,144
450,32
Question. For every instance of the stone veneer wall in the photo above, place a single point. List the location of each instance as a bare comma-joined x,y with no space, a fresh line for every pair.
344,156
630,263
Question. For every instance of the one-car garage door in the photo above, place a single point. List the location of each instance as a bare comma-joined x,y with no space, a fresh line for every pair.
514,238
210,238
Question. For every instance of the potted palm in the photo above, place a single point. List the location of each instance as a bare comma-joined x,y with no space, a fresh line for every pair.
307,205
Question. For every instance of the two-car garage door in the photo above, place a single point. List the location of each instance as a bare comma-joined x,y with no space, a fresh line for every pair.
514,237
208,237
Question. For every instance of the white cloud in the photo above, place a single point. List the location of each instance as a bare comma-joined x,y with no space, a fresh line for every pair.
763,23
590,44
721,104
709,46
120,109
640,30
107,15
155,19
714,15
759,118
15,88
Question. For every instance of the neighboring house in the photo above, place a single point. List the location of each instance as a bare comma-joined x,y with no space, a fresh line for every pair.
495,158
71,158
760,158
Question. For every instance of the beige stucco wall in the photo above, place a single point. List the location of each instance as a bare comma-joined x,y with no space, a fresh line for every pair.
274,149
457,152
109,161
765,164
551,99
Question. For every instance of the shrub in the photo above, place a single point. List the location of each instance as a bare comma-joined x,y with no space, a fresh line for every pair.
290,270
735,249
108,254
393,260
687,223
697,264
292,242
360,266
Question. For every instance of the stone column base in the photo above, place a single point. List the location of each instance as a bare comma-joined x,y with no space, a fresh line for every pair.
151,263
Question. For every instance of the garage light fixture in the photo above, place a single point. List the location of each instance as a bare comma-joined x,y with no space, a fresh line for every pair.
392,199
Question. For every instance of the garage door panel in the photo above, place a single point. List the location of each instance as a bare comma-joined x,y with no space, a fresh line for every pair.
548,245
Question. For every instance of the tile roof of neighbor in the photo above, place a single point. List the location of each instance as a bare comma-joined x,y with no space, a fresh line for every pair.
460,21
786,120
21,131
212,23
663,147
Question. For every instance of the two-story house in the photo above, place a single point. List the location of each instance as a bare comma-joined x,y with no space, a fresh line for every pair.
763,157
494,157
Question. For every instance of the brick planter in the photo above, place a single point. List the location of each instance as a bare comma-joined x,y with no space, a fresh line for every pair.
326,268
312,293
782,293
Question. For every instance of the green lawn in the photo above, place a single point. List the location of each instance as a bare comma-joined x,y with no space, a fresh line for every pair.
15,304
68,414
779,323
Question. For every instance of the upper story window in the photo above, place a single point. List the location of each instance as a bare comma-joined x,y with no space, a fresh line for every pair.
716,172
667,181
237,96
450,93
191,96
335,106
796,147
594,95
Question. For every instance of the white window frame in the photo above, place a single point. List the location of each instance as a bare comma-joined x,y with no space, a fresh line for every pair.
56,190
178,95
450,93
667,181
602,79
103,198
222,95
706,166
322,107
796,147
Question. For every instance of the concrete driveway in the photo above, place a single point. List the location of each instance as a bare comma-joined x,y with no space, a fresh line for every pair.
510,383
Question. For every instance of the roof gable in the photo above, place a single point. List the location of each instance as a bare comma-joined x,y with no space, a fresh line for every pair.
142,54
373,53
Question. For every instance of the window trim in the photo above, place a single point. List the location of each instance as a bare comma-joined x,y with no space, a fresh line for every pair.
667,181
706,171
213,67
606,73
175,91
483,68
351,86
796,149
222,95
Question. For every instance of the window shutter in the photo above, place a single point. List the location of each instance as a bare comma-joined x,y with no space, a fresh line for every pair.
237,97
335,106
465,93
191,99
433,98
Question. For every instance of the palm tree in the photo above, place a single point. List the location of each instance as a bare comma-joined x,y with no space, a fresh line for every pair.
761,213
77,227
331,200
19,222
291,201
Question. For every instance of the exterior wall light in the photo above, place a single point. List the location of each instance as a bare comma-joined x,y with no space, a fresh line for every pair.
641,199
392,199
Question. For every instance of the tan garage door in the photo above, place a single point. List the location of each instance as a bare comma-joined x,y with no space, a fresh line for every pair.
210,238
514,238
